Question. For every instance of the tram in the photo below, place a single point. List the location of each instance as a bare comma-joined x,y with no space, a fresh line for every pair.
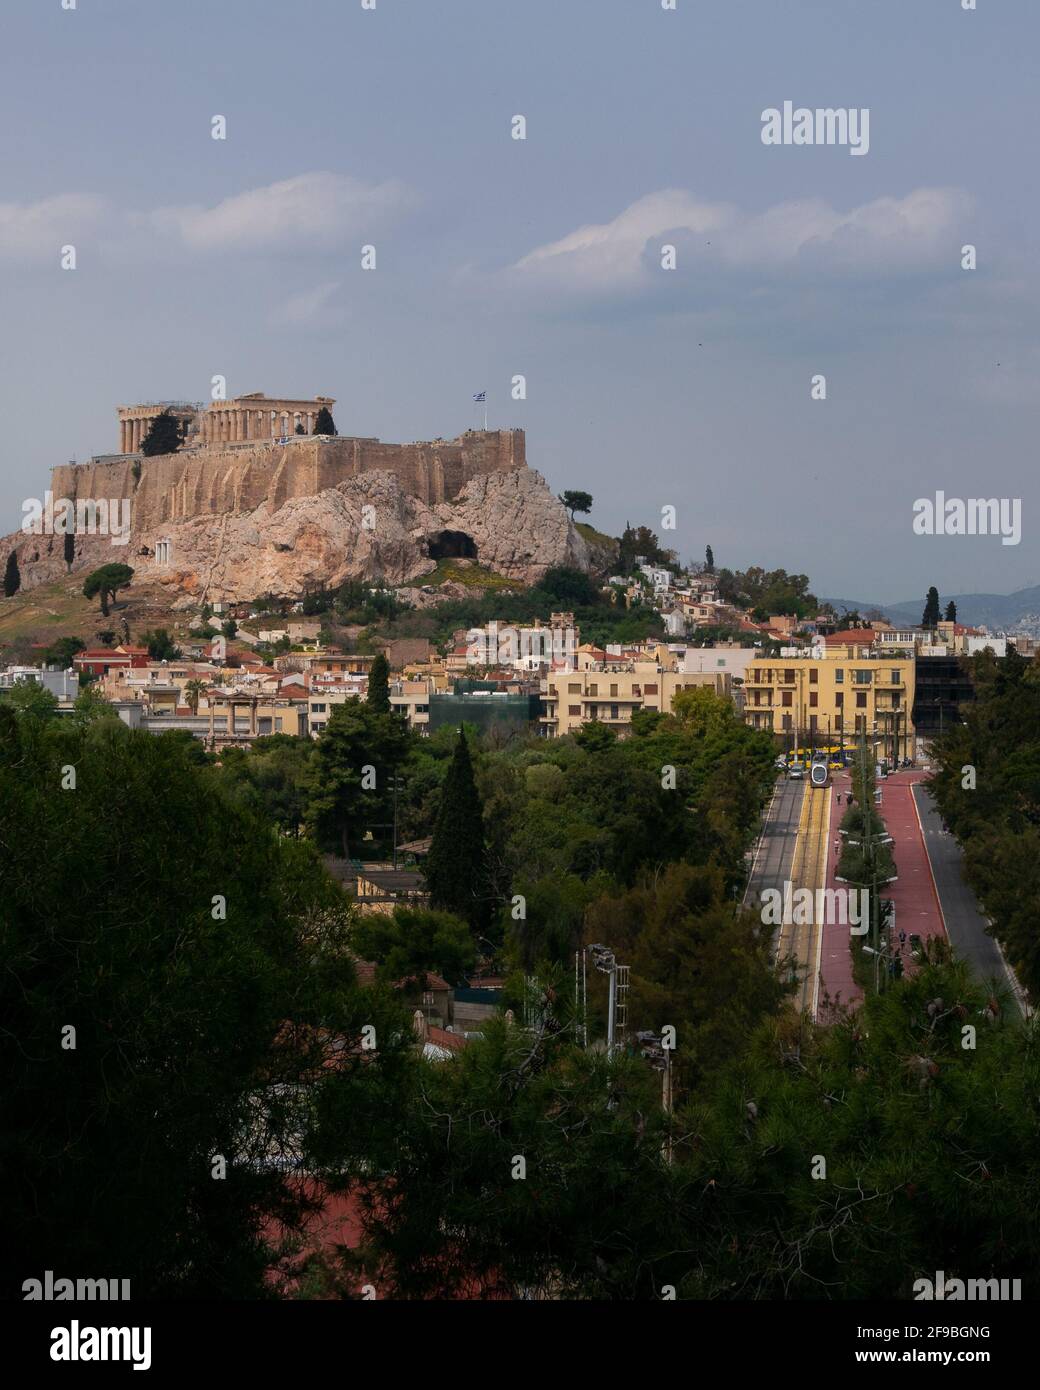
819,771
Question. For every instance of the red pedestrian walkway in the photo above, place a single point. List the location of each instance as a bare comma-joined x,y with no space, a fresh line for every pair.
916,901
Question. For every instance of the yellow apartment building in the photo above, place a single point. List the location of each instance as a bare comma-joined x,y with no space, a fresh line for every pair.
834,698
611,696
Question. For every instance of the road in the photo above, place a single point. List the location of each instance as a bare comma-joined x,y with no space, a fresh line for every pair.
771,866
793,849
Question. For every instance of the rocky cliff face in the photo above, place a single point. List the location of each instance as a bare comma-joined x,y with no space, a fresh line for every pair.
364,527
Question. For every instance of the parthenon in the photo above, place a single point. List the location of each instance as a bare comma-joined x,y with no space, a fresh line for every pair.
250,417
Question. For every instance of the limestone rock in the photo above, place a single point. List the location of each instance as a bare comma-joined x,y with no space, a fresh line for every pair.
365,527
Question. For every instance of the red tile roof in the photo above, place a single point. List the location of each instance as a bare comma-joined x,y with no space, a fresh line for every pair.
440,1037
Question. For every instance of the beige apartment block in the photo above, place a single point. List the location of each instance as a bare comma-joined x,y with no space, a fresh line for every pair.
833,699
611,696
413,696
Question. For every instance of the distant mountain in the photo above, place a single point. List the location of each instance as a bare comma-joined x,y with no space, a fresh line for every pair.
1004,612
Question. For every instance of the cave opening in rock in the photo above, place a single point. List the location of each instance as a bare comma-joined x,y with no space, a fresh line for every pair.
452,545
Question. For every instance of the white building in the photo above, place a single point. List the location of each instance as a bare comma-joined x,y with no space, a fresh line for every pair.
63,685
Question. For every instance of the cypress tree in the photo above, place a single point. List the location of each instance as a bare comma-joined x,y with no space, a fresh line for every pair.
951,612
12,578
324,423
930,616
69,549
457,862
379,684
164,437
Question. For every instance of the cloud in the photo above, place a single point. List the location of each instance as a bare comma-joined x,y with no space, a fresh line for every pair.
310,307
37,231
317,210
888,235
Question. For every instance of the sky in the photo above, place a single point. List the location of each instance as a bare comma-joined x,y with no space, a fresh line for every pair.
650,387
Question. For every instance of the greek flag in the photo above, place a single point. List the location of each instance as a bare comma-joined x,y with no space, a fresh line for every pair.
481,397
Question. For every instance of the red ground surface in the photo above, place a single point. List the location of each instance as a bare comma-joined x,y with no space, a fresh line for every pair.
914,895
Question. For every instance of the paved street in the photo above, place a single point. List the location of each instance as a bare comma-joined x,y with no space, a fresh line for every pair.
774,853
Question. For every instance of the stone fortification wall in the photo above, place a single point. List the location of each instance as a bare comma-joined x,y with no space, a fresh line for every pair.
218,480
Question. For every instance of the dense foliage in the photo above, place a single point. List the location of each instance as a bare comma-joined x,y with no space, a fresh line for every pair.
988,790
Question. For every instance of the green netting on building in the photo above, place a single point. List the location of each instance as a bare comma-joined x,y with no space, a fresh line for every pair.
502,712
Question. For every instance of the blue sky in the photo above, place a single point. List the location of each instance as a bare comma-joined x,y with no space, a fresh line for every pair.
649,388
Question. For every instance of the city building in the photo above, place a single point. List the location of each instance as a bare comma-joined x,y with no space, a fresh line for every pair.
835,696
610,694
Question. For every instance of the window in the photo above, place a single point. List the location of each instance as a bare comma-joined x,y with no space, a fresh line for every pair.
574,688
862,677
614,712
861,699
787,697
787,721
895,700
613,688
637,691
574,709
812,723
789,676
837,723
814,676
839,677
650,689
814,699
895,678
593,689
319,709
278,724
839,700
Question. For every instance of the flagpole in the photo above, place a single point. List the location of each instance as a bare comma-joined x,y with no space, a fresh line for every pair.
485,412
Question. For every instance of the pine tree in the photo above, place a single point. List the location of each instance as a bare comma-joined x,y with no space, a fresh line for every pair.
164,437
12,578
951,612
379,684
324,424
105,582
930,616
456,864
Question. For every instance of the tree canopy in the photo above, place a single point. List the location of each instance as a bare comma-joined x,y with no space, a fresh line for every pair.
163,437
105,583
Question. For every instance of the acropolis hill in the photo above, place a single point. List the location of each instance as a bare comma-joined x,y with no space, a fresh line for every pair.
246,505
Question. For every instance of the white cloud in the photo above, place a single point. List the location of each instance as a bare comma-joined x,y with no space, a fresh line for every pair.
37,231
310,306
888,233
317,210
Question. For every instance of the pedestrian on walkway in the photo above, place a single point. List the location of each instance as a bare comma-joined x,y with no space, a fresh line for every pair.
902,939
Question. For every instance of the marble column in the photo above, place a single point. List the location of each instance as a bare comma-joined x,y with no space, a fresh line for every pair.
135,436
122,438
